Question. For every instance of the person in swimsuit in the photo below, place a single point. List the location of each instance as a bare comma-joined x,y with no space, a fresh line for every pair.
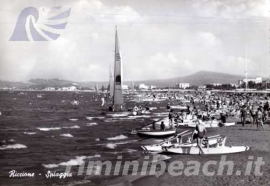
259,119
199,133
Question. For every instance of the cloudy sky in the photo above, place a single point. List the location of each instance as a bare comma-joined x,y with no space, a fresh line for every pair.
158,39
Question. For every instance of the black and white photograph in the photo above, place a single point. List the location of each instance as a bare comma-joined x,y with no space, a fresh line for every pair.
134,93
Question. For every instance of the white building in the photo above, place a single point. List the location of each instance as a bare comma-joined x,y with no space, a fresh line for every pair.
255,80
152,87
217,84
202,87
184,85
71,88
49,88
143,87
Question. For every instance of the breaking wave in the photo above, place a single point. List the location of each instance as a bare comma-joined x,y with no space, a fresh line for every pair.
111,145
72,127
30,133
118,115
91,124
48,129
13,146
67,135
73,119
119,137
90,118
72,162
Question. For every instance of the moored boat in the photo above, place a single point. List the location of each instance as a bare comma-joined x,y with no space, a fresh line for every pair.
207,141
207,124
211,150
219,148
156,133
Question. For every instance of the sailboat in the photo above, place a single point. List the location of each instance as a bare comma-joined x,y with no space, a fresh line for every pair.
111,83
132,86
117,101
97,89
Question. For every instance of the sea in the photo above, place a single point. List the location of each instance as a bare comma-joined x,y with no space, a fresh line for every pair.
46,131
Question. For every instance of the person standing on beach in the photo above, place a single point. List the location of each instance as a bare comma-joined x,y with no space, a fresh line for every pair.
265,115
199,133
253,115
243,115
259,119
171,116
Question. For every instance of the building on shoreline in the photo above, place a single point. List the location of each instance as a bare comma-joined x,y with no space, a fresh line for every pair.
255,80
184,85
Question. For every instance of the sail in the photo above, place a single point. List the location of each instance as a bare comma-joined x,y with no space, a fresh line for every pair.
117,95
132,86
96,88
111,83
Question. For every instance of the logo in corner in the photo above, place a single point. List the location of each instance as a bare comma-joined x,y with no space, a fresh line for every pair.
40,25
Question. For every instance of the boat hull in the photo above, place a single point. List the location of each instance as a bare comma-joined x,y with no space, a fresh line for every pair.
156,134
211,140
216,150
207,125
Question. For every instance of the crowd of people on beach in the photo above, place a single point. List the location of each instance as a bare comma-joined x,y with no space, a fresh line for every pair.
248,107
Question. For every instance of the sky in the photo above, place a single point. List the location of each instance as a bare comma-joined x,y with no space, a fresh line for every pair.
158,39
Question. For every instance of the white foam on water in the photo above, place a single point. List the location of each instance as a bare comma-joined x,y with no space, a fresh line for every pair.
110,120
118,115
119,137
125,142
91,124
72,127
140,116
30,133
78,160
161,113
73,119
13,146
48,129
127,118
111,145
97,139
67,135
0,113
131,150
11,140
50,166
90,118
74,102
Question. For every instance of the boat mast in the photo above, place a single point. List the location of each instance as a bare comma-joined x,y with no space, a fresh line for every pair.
246,68
132,85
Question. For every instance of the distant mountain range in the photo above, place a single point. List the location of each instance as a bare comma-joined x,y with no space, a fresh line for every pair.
199,78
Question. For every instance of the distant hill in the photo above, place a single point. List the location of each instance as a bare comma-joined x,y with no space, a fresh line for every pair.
198,78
